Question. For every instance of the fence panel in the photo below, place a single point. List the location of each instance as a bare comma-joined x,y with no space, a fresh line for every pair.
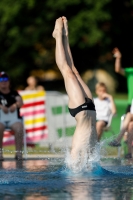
61,125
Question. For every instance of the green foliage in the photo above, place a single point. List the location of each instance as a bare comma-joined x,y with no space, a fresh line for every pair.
85,25
22,29
26,27
85,19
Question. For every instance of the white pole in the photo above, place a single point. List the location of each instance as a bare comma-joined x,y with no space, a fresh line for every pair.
24,139
119,148
64,118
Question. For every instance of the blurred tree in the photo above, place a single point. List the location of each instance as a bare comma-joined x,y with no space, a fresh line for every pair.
85,18
24,37
26,26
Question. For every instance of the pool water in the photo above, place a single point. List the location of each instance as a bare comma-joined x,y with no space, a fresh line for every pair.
48,179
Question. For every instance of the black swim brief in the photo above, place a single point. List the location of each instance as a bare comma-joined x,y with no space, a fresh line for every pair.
88,105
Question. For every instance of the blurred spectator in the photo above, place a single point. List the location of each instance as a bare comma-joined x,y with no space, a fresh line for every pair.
128,72
127,127
32,84
130,135
10,102
105,107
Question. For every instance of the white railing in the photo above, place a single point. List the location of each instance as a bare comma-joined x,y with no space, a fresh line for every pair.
61,124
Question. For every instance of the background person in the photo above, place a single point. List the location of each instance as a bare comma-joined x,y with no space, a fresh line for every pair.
130,136
105,107
129,140
127,126
10,102
32,84
128,72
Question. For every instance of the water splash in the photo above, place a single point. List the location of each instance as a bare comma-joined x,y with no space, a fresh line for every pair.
84,162
108,151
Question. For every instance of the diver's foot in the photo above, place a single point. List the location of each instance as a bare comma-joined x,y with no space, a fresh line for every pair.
65,27
129,155
58,27
114,143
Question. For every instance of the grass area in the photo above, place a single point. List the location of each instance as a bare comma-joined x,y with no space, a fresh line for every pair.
121,96
30,150
35,150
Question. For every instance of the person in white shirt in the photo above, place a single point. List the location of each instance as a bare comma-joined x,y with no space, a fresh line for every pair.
105,106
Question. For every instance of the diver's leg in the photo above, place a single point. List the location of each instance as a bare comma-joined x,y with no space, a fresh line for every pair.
2,128
69,58
73,88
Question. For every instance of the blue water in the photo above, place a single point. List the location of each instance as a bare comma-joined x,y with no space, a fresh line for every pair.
48,179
